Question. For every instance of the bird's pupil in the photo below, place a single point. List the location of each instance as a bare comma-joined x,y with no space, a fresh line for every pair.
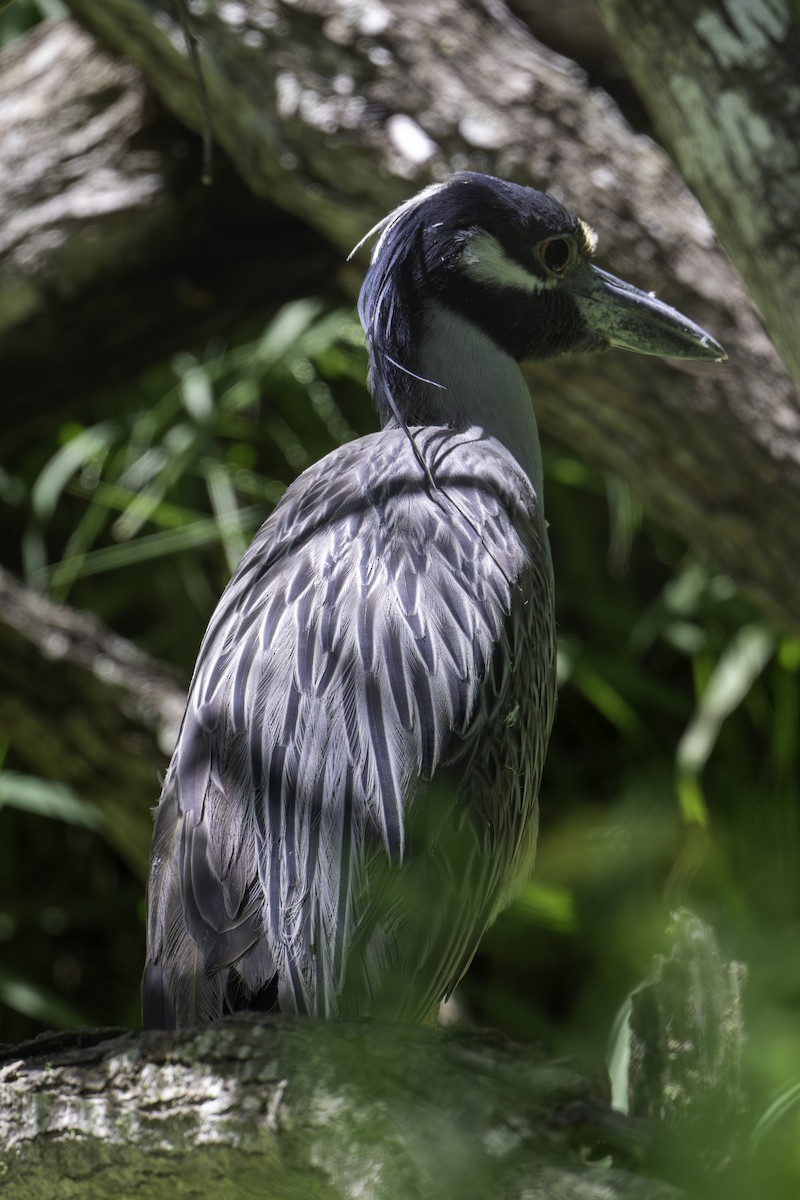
555,254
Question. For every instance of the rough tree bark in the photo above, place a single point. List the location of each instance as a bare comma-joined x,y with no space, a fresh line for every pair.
84,705
112,253
721,82
276,1109
277,1106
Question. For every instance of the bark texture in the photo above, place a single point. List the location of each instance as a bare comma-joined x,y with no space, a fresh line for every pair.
112,252
84,706
278,1109
721,82
687,1038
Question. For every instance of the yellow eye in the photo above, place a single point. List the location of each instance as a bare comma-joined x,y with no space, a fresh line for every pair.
557,253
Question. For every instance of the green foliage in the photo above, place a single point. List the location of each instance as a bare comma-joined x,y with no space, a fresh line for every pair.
673,773
22,15
53,800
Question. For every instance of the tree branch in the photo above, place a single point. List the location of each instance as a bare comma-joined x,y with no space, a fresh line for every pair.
721,83
112,252
277,1107
81,704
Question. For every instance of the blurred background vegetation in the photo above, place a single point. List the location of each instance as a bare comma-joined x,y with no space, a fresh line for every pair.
672,777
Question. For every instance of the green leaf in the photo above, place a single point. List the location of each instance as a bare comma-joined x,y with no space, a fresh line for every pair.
32,1000
47,799
552,907
205,532
738,667
607,700
227,513
87,445
282,334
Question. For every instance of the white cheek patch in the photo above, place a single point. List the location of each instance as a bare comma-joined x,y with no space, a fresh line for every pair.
485,261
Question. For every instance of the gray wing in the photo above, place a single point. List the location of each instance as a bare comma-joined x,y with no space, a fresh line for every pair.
338,690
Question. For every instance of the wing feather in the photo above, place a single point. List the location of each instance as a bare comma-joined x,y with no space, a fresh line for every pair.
339,725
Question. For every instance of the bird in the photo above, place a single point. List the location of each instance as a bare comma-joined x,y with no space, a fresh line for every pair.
353,796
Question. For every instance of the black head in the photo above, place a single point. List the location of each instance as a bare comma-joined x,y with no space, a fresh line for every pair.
496,252
515,263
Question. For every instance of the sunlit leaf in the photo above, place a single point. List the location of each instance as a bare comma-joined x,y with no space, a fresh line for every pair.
47,798
227,514
205,532
197,395
89,444
691,800
550,906
32,1000
606,699
283,333
738,667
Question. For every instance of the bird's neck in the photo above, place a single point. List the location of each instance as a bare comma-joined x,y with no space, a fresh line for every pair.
478,385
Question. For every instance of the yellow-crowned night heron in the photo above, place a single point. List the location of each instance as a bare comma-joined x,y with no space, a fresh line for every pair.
353,796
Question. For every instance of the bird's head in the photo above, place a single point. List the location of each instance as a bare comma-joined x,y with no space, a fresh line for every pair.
518,265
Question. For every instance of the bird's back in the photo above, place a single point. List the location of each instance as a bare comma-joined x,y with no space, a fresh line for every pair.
353,794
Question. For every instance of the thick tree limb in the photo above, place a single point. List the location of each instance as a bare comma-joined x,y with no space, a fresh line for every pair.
336,111
720,80
280,1108
112,253
574,29
84,706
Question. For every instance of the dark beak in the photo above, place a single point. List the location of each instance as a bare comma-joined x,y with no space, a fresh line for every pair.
626,317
